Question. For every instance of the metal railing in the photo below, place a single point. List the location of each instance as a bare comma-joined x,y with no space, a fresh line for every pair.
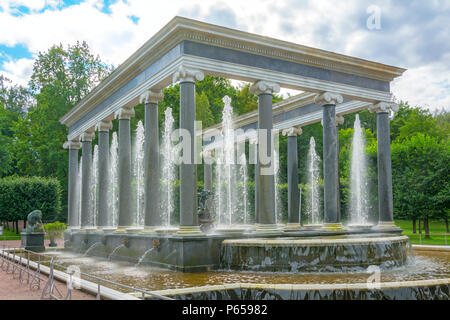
13,261
423,236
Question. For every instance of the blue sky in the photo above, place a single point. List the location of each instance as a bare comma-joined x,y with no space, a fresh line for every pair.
414,34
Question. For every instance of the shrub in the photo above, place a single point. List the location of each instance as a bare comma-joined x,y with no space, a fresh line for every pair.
54,230
20,196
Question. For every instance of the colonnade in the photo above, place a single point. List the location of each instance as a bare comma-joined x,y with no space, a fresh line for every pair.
264,173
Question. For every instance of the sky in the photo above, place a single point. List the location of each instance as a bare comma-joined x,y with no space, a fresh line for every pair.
413,34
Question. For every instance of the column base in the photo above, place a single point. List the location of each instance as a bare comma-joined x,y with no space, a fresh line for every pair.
121,229
72,229
267,228
106,229
383,225
88,229
189,231
149,230
134,229
292,226
332,227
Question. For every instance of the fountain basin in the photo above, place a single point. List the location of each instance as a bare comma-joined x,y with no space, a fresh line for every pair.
321,254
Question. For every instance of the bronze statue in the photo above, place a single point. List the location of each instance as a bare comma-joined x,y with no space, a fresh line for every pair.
34,221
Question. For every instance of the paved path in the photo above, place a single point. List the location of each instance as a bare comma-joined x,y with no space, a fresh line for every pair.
12,289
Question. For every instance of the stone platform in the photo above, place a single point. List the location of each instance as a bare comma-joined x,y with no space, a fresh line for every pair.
180,253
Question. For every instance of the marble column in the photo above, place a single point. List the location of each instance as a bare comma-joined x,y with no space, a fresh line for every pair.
86,201
189,224
103,128
73,218
292,175
124,171
328,101
151,160
385,197
266,178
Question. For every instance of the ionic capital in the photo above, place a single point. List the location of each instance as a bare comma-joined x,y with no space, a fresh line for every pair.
328,98
264,87
104,125
72,145
383,107
292,131
124,113
88,136
151,96
187,75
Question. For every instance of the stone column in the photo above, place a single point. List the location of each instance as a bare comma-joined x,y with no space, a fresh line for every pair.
151,160
103,128
189,224
385,198
328,101
86,202
292,174
266,179
73,219
124,154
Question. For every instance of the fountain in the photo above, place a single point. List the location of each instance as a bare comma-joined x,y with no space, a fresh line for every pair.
115,250
227,203
278,202
79,186
113,182
94,188
313,192
359,191
92,247
168,171
143,256
243,188
138,173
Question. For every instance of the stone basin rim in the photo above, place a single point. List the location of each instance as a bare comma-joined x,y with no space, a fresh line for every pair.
310,286
289,242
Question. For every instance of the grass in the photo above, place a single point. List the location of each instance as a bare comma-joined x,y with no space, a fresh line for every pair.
9,235
435,227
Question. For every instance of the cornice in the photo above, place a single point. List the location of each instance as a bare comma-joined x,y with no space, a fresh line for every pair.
179,29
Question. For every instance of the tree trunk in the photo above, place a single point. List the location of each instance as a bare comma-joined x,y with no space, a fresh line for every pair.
427,228
24,224
446,224
17,226
420,226
414,226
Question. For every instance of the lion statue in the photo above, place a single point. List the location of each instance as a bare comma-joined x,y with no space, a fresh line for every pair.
34,221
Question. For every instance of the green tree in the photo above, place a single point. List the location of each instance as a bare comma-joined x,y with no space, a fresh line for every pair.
421,178
61,78
202,110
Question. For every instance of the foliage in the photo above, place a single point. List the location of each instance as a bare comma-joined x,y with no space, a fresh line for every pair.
20,196
420,165
54,230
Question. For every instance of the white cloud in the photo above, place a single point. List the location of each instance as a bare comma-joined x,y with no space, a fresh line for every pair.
412,36
18,71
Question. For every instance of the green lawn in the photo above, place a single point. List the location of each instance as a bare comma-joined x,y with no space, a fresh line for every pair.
9,235
435,227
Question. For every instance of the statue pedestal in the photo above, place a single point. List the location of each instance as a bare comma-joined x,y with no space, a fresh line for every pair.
33,241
